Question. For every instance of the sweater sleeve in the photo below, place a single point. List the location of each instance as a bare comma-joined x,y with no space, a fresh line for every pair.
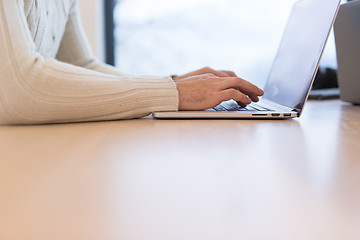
35,90
75,48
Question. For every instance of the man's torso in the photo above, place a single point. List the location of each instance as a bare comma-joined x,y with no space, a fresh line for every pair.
47,21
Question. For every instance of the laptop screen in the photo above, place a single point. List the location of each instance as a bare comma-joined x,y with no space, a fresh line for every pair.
300,51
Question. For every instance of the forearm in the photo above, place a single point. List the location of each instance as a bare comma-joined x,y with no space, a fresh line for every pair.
48,91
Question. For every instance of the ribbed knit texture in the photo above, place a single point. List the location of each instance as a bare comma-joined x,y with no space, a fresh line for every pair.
48,74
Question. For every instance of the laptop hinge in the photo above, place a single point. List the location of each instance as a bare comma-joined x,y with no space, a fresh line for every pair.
298,111
277,106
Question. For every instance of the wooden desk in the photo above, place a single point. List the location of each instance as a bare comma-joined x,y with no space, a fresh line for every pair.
182,180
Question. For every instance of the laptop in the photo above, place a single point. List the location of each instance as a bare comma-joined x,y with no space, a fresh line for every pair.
293,71
347,38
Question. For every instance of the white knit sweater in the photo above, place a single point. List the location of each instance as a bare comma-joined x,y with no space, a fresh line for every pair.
48,73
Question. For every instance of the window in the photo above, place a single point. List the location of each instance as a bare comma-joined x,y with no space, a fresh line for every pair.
161,37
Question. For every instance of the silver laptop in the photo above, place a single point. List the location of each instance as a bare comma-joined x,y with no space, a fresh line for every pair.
347,37
293,70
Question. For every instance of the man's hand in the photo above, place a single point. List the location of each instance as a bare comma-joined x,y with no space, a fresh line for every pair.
199,92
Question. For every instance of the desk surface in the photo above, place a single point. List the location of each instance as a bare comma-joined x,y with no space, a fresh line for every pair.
182,179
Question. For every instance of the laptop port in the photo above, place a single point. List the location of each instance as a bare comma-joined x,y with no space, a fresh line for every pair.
287,114
259,115
275,114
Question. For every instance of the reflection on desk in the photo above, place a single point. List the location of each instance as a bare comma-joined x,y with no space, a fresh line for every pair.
184,179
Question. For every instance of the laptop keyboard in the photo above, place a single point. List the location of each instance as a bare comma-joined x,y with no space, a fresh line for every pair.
233,106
